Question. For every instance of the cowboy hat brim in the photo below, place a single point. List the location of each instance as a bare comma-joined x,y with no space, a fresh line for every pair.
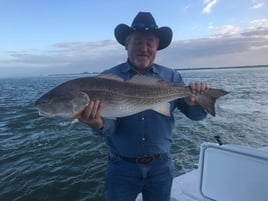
163,33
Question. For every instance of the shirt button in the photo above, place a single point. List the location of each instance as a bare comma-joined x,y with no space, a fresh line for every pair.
142,118
143,139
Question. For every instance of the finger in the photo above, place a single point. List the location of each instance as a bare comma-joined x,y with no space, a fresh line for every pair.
198,87
89,109
101,106
207,87
204,87
195,88
192,99
192,87
86,113
95,109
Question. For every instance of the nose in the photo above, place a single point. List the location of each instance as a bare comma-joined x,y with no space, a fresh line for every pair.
144,47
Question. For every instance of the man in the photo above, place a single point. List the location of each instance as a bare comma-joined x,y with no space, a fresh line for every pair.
139,156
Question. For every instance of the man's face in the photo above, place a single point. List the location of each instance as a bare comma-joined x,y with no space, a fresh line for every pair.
142,48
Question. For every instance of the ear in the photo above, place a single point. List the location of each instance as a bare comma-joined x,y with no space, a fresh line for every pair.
126,44
127,41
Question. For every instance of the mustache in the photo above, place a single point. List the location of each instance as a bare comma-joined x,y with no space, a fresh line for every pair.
143,54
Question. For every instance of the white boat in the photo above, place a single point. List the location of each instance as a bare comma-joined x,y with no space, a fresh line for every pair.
225,173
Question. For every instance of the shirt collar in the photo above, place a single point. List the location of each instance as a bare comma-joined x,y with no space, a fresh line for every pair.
128,67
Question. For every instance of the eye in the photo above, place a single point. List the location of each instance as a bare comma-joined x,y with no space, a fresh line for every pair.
149,44
137,42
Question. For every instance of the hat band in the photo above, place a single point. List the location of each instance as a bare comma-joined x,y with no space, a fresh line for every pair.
142,26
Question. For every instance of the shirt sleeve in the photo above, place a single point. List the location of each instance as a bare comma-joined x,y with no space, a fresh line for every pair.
193,112
109,127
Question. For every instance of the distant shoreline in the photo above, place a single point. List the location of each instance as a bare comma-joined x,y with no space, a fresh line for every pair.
177,69
227,67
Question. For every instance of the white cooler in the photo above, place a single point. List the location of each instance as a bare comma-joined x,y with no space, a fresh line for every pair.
233,173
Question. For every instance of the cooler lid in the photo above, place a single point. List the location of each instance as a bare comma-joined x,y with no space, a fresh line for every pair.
233,173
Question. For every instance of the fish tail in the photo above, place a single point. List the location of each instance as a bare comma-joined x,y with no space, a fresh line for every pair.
208,99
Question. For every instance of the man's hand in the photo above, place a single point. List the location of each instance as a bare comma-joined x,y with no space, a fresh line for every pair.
197,88
91,115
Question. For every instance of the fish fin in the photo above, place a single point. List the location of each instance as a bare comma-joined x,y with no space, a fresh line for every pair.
110,77
77,115
146,80
208,99
162,108
137,79
81,101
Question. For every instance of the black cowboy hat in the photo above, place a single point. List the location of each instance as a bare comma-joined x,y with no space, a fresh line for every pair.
144,21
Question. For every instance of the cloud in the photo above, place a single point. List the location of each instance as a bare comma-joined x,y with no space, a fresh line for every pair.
259,24
209,5
186,8
257,6
226,46
225,31
68,54
257,28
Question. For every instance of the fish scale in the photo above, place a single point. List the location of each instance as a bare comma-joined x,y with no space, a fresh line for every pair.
120,98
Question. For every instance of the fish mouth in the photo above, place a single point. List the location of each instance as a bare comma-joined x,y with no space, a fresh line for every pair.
45,114
41,106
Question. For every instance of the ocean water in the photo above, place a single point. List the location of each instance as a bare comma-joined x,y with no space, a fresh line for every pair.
56,159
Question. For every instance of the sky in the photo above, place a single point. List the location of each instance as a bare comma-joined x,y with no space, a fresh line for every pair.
74,36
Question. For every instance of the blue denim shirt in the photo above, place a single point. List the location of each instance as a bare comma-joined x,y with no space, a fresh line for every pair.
147,132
